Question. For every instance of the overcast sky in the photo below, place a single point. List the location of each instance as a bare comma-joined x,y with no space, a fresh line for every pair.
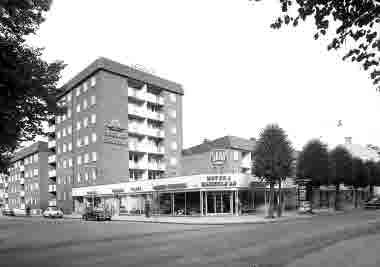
237,73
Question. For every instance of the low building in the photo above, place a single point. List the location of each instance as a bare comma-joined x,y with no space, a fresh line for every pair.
27,183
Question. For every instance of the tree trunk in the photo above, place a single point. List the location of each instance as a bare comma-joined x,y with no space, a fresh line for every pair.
356,197
320,197
371,189
336,205
271,198
279,202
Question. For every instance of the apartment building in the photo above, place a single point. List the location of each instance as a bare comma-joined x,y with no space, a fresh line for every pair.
120,125
3,181
27,183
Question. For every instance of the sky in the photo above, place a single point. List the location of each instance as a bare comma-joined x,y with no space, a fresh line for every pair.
238,74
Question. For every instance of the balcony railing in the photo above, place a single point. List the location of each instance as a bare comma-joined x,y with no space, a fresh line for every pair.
53,202
135,93
156,166
52,173
155,132
154,98
51,144
137,165
52,159
137,111
155,115
52,188
156,149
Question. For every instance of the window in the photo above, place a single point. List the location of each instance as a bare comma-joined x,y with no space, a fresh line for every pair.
78,178
94,155
93,81
35,172
173,114
78,108
69,129
64,195
85,87
64,148
63,132
79,142
173,161
94,174
78,125
236,155
26,162
58,180
86,176
69,113
68,97
65,163
93,118
174,130
79,160
58,134
84,104
174,145
78,91
93,137
93,100
86,140
70,162
173,98
70,146
85,122
58,149
86,158
58,119
63,117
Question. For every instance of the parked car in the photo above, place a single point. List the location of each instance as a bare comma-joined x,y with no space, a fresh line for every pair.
20,212
8,212
52,212
97,214
373,203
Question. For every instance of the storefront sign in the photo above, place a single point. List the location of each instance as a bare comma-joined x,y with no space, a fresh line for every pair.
90,193
115,134
218,157
170,186
218,180
159,187
115,191
137,188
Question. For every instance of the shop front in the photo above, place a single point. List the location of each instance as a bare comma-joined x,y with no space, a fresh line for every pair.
196,195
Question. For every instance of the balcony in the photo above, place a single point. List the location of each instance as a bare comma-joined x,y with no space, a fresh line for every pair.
136,93
22,181
159,116
22,193
137,165
246,163
156,149
136,128
156,99
157,166
52,188
135,146
52,173
51,144
52,159
52,202
137,111
156,132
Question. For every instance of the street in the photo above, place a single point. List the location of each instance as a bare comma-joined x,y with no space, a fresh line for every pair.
349,239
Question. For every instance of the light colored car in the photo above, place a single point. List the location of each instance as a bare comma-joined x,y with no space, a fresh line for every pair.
52,212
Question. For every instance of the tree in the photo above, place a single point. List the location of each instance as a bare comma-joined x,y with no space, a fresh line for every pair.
373,170
340,170
352,21
313,163
27,83
273,157
359,177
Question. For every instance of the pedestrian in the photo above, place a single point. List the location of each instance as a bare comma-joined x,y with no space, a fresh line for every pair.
27,210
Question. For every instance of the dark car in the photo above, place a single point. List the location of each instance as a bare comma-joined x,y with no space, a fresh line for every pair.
373,203
8,212
97,214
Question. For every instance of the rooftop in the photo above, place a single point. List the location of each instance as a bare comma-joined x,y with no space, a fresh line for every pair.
122,70
39,146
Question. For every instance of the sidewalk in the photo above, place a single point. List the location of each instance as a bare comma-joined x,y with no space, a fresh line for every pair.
206,220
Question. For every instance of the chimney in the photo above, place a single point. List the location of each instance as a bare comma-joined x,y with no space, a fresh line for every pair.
348,140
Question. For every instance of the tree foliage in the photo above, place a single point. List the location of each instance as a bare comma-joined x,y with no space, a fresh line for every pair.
359,173
355,22
273,158
313,163
28,84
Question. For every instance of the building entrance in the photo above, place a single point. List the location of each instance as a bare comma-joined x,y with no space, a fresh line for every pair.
219,202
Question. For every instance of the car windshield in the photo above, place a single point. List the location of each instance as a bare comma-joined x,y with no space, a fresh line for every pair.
52,208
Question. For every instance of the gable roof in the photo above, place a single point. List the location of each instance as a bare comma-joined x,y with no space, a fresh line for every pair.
226,142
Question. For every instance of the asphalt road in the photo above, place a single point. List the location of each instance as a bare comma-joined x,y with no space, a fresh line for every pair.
351,239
